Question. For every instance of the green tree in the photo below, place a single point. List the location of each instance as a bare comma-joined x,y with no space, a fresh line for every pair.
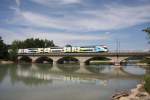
3,50
37,43
28,43
68,45
147,30
14,49
147,83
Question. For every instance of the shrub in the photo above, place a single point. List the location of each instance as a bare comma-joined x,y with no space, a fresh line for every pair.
145,60
147,83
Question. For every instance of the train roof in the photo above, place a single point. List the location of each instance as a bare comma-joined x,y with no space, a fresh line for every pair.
56,47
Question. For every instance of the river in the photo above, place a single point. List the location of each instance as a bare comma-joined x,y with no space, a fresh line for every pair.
40,82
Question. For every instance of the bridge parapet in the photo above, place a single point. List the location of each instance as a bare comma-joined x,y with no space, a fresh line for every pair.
91,54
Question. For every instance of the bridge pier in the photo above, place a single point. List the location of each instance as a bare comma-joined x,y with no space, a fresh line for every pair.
18,58
117,60
82,64
54,67
33,59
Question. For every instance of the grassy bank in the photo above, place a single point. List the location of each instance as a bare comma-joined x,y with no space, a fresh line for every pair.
146,60
147,83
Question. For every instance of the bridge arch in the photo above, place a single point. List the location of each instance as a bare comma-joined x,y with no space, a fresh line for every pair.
117,60
68,60
24,59
44,59
97,60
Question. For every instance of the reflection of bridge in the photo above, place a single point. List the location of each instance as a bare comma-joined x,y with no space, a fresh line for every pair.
50,75
115,58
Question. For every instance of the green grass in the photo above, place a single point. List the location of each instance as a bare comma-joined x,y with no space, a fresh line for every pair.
147,83
145,60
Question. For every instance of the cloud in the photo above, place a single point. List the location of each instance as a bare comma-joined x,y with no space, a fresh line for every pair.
108,18
56,2
60,38
18,2
70,1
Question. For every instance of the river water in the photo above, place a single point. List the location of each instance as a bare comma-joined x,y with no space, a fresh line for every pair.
40,82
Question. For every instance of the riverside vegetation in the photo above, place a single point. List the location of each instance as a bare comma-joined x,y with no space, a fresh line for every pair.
147,83
9,52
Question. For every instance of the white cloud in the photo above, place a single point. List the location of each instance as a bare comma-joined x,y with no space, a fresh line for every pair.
60,38
110,18
56,2
18,2
70,1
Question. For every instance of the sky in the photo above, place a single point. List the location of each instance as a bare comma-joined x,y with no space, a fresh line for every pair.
77,22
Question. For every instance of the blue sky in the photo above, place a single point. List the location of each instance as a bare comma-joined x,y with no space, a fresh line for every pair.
77,22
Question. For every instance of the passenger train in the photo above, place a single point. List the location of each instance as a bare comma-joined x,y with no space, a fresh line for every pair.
72,49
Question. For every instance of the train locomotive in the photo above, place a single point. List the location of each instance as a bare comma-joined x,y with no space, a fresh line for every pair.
71,49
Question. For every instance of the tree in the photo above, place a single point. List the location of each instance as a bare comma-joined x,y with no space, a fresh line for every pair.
68,45
147,60
14,48
28,43
147,30
3,50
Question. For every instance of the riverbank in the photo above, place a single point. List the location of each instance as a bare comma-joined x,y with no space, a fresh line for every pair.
143,64
138,93
6,62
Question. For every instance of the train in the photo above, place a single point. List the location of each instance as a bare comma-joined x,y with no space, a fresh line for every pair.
71,49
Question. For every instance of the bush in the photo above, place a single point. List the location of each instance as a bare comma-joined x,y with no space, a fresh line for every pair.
145,60
147,83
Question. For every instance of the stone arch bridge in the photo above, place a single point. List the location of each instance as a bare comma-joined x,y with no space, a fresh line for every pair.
115,58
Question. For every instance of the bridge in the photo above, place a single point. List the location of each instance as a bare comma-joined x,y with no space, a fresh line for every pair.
115,57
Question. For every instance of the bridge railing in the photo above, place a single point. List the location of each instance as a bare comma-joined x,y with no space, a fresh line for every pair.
128,51
89,54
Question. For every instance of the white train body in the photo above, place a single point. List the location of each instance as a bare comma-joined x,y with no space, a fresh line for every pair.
56,49
64,49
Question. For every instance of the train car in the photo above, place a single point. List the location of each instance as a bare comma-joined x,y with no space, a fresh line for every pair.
71,49
32,50
47,50
101,49
28,50
20,51
75,49
40,50
23,51
87,49
56,49
67,49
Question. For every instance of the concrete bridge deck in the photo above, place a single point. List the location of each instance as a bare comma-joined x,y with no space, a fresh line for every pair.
122,54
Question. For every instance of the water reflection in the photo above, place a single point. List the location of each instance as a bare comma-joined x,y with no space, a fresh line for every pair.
69,68
38,81
134,70
43,67
31,77
96,68
35,74
3,72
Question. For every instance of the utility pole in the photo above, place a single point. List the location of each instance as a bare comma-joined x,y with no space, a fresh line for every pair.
117,50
